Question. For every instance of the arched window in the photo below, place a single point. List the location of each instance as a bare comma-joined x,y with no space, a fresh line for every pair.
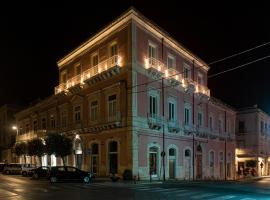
113,157
171,152
187,153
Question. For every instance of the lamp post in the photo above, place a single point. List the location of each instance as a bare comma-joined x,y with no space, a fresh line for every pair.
15,128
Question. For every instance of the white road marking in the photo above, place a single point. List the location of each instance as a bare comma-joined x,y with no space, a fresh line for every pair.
200,196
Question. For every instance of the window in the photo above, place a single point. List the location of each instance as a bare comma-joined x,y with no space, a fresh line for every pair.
78,69
211,159
187,115
171,111
241,126
186,71
27,128
200,119
229,126
171,152
200,79
211,123
152,51
35,126
221,156
170,62
113,50
94,60
219,126
113,158
112,106
64,119
77,113
52,121
93,110
43,123
265,127
187,153
63,77
261,126
153,106
71,169
153,152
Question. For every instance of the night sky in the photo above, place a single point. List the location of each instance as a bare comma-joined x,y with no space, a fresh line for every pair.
34,37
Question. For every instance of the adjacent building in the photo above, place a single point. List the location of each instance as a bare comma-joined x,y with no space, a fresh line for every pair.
132,97
253,141
8,132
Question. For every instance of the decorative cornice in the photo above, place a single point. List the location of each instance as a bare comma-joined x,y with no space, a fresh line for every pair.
143,21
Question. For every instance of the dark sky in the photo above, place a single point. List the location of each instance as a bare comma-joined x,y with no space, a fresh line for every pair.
34,37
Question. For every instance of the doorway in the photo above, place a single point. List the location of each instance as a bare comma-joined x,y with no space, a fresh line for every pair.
172,163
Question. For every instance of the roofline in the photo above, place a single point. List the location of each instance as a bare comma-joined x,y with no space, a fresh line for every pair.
129,15
221,103
251,109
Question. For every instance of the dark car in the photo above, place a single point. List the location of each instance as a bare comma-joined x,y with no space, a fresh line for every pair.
2,165
66,173
40,172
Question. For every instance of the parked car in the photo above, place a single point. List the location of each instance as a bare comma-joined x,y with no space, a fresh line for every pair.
2,165
26,169
12,168
40,172
67,173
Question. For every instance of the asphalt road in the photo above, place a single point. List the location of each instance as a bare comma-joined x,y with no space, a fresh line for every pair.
21,188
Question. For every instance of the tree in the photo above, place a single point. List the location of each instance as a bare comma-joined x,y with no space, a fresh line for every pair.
36,147
21,149
59,145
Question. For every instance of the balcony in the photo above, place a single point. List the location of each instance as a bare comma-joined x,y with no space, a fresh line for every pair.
155,68
103,70
202,90
174,77
60,89
189,85
154,121
173,126
75,84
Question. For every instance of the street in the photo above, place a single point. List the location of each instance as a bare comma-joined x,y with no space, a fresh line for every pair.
22,188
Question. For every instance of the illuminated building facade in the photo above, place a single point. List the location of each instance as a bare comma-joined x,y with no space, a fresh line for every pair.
110,102
253,141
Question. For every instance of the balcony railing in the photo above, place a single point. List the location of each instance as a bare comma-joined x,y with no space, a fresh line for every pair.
91,72
173,126
155,64
173,75
101,67
202,89
74,81
154,121
60,88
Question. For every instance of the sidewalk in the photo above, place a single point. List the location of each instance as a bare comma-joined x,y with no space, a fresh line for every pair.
250,179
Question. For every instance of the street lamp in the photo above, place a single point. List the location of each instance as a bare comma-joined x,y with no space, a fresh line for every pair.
15,128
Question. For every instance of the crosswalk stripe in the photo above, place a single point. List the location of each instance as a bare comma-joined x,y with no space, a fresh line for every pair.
186,194
248,199
171,191
200,196
223,197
